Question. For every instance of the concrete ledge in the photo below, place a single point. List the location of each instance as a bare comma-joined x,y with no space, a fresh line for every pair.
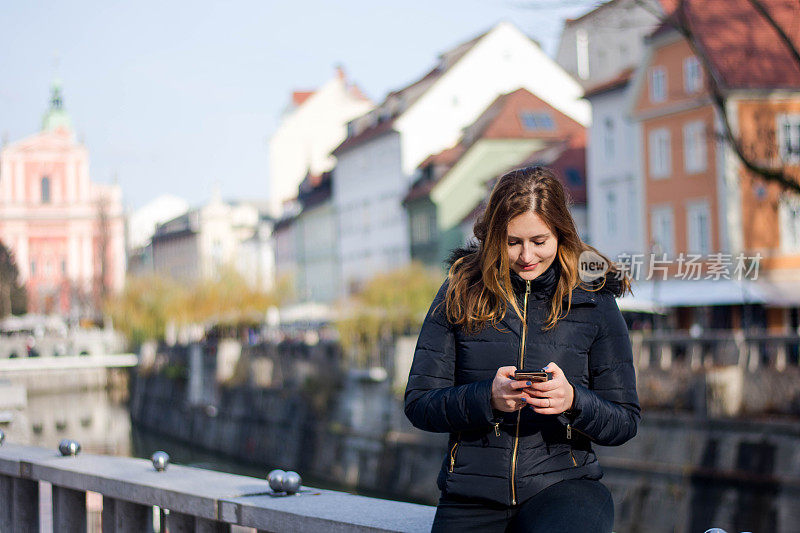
15,460
331,511
235,499
68,362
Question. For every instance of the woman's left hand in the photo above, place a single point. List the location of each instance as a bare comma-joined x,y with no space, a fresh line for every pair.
551,397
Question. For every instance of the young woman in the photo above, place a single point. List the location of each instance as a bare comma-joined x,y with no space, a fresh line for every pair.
520,453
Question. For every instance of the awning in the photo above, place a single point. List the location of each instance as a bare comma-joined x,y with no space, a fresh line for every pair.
782,293
635,304
695,293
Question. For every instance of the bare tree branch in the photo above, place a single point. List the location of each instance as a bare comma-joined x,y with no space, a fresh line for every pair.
680,23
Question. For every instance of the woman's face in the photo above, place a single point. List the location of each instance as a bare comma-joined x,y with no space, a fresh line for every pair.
531,245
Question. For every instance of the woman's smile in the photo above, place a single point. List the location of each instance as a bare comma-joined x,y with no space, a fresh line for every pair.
532,246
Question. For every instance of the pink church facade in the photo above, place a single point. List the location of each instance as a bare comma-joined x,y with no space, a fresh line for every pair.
66,233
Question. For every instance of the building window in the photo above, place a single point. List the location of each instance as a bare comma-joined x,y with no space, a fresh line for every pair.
573,176
694,146
789,214
661,227
659,148
692,75
537,121
608,138
789,138
45,190
582,50
698,226
420,228
658,84
33,268
611,213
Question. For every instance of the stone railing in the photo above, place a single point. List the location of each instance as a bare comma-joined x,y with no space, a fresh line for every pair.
723,348
182,498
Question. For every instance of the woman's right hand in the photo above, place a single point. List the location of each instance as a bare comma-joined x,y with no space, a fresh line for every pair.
507,394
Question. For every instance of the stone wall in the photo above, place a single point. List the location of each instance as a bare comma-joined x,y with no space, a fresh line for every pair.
690,467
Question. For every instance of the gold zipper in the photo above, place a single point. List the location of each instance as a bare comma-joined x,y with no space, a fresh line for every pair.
519,413
569,437
570,429
453,453
497,428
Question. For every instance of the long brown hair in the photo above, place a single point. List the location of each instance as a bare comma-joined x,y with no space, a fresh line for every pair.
480,290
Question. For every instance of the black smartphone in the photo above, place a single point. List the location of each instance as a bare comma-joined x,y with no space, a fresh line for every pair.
533,376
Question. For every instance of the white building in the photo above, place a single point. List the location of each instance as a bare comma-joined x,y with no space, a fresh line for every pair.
615,183
384,147
601,49
316,237
597,46
143,221
314,124
284,244
203,242
256,258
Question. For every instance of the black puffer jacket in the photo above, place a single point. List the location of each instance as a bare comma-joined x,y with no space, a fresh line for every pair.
509,457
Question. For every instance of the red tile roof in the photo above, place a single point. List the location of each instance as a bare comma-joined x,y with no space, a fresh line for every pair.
298,97
620,80
447,157
744,49
366,135
442,162
420,189
502,120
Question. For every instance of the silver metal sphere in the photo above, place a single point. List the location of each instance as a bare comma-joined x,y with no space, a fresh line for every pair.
74,447
63,447
160,461
275,480
291,482
69,447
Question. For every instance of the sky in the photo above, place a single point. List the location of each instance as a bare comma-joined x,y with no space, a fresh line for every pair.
180,97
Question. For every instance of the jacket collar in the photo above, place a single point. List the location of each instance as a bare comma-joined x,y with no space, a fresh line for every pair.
544,285
542,288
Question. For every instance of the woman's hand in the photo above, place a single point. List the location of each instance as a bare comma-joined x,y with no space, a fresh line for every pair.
507,393
551,397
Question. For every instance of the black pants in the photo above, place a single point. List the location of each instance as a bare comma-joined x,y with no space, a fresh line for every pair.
574,505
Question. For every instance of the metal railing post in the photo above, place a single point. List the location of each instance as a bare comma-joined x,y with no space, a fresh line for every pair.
120,516
21,513
69,510
186,523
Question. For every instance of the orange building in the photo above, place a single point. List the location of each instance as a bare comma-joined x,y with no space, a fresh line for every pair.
699,198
